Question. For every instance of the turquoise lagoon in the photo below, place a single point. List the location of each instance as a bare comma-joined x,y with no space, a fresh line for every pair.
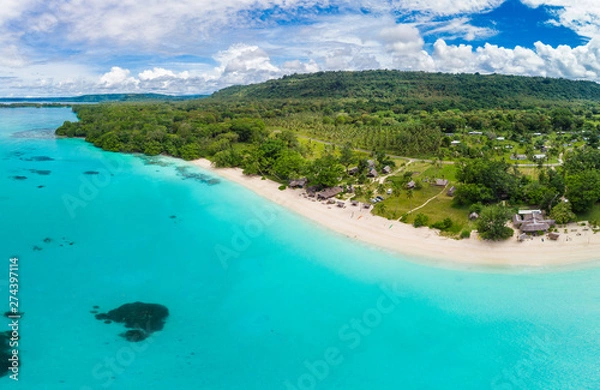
259,298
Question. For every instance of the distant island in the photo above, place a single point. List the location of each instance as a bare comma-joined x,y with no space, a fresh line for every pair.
456,152
97,98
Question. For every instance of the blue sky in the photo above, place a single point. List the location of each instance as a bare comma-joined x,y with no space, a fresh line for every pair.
73,47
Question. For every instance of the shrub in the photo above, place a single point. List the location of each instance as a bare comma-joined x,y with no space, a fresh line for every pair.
445,224
420,220
465,234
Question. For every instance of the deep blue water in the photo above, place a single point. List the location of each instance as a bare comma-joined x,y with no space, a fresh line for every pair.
258,297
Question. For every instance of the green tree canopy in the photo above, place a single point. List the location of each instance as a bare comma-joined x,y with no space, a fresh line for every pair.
491,224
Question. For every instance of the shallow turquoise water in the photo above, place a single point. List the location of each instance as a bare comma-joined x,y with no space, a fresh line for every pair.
258,297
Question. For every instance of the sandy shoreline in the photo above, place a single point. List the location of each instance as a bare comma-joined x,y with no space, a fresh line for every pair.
360,224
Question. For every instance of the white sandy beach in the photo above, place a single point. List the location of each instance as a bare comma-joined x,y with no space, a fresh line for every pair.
578,246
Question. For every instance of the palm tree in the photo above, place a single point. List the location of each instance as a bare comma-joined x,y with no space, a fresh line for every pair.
410,195
396,192
382,209
369,193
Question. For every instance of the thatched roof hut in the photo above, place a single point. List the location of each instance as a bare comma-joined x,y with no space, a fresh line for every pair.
440,182
312,191
353,171
473,216
329,192
298,183
410,185
386,170
372,173
532,227
553,236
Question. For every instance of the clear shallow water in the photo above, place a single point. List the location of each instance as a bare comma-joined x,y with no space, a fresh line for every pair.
258,298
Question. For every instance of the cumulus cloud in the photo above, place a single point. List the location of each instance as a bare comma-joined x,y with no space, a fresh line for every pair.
581,62
118,77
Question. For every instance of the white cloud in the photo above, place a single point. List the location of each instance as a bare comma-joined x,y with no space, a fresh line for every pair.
582,16
118,77
581,62
402,39
298,66
459,28
158,73
447,7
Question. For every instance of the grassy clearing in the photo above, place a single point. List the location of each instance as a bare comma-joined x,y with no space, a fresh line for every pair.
442,207
592,215
444,171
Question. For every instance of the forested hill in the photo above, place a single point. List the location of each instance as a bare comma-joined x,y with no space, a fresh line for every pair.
420,88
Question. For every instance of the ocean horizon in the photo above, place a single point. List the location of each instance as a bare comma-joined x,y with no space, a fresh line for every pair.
258,297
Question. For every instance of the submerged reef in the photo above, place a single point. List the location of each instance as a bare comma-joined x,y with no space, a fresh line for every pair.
188,173
143,318
43,172
37,158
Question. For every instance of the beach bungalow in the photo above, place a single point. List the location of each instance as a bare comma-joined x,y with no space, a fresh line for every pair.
440,182
532,221
353,171
312,191
298,183
372,173
451,191
328,193
410,185
386,170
